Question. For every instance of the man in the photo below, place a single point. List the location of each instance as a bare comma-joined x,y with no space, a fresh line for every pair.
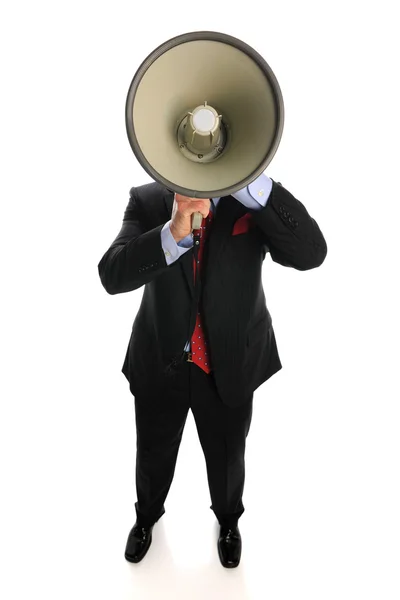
207,350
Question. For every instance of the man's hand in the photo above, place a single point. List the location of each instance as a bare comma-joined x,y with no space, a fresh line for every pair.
182,210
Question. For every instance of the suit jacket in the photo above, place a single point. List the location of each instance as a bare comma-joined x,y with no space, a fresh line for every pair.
237,322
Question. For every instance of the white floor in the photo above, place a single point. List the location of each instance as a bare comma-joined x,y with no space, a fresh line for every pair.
321,518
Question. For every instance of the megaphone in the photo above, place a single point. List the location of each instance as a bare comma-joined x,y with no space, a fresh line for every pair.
204,115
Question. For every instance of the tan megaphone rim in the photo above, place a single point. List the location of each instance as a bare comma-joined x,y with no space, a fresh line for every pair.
257,58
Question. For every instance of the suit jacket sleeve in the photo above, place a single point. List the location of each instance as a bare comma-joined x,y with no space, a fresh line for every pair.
291,234
136,255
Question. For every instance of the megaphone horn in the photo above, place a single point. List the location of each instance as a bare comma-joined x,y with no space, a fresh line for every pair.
204,114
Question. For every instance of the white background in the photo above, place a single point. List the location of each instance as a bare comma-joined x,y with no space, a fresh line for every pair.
322,490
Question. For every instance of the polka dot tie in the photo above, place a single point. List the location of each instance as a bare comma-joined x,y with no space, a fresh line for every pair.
199,346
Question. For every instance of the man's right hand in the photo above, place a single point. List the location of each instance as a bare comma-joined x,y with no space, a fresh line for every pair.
182,210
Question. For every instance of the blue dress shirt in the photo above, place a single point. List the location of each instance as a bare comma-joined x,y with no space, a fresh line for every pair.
254,196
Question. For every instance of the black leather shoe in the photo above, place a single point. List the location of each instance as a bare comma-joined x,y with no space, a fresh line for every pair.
138,543
229,547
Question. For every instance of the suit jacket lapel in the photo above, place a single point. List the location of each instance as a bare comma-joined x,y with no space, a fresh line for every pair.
228,211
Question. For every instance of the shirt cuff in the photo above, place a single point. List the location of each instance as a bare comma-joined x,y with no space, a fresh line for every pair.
173,250
256,194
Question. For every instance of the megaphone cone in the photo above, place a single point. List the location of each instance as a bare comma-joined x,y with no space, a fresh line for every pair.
204,114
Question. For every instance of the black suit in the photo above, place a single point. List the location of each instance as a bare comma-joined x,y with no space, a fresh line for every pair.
237,322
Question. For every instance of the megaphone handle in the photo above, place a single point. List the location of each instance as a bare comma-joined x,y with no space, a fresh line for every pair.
197,219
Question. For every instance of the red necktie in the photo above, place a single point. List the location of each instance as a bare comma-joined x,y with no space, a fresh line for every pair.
199,346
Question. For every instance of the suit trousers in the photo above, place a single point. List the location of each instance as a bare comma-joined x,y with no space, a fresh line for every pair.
160,419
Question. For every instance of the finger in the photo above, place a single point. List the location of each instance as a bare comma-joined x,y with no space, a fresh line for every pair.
195,200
